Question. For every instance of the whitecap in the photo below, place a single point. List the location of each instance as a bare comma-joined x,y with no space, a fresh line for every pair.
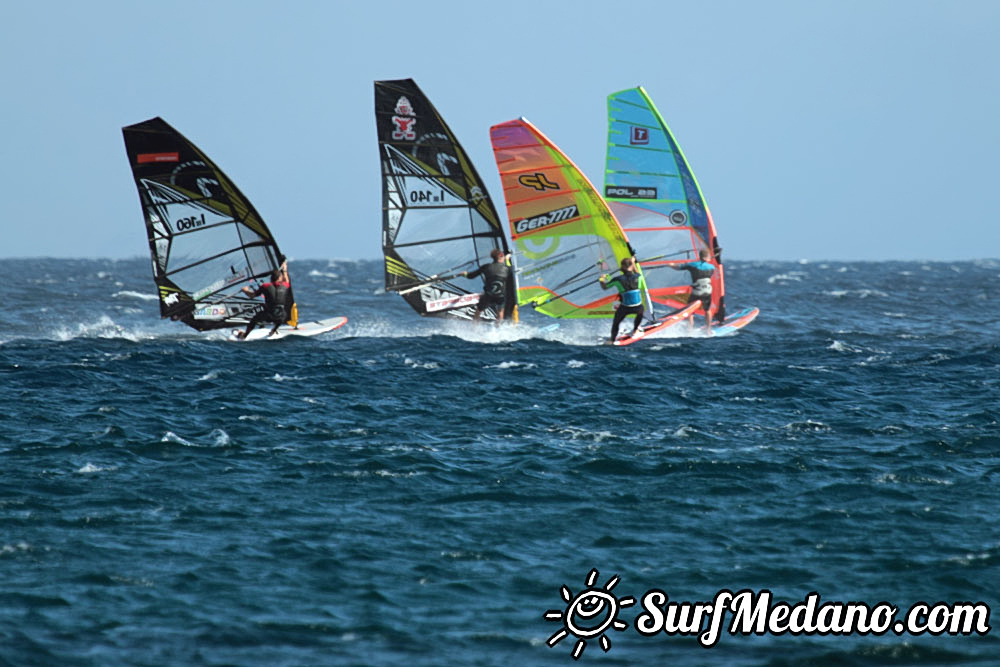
841,346
170,436
430,365
136,295
573,363
807,425
504,365
220,438
792,276
91,468
324,274
14,548
859,293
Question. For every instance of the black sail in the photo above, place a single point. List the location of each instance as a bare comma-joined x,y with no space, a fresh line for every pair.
437,215
205,238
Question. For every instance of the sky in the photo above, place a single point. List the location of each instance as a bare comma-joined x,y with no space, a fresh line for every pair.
821,130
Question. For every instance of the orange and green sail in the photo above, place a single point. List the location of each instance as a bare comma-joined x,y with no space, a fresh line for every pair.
565,236
653,193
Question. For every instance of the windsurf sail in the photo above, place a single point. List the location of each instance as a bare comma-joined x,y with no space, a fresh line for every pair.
652,191
206,239
564,234
437,216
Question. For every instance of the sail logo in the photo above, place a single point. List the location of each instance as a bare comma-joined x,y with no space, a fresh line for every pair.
146,158
546,219
538,181
629,192
588,614
404,121
639,136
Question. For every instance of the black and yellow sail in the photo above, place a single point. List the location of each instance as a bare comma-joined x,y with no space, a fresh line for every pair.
437,216
206,239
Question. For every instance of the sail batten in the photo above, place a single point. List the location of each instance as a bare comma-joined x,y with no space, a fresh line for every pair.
206,239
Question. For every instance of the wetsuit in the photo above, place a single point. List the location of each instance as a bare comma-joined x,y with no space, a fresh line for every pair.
630,286
701,282
276,308
495,276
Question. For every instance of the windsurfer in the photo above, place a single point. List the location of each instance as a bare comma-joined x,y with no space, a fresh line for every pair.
495,275
631,286
276,309
701,282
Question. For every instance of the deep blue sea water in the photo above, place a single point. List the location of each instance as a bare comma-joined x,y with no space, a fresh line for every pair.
411,491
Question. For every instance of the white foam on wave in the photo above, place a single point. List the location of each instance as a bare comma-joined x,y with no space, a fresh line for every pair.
104,327
17,547
841,346
427,365
278,377
504,365
858,293
808,425
576,433
135,295
324,274
791,276
91,468
485,332
220,438
573,363
170,436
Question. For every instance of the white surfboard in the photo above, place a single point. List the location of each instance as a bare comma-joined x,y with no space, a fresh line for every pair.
313,328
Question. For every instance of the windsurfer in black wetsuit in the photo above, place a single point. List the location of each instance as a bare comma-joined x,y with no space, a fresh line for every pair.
276,297
495,275
701,282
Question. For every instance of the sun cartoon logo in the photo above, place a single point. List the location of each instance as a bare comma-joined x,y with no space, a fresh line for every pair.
587,615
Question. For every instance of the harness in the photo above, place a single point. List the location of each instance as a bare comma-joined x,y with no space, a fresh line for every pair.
275,296
701,278
495,280
631,295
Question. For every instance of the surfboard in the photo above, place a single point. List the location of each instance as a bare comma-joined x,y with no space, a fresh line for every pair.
660,325
305,329
735,322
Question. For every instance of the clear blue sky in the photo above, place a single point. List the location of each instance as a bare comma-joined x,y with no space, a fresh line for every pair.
841,130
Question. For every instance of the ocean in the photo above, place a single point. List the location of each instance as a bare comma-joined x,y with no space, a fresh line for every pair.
413,491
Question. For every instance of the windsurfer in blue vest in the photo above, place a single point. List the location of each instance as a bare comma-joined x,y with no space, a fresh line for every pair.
631,286
701,282
276,307
495,275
